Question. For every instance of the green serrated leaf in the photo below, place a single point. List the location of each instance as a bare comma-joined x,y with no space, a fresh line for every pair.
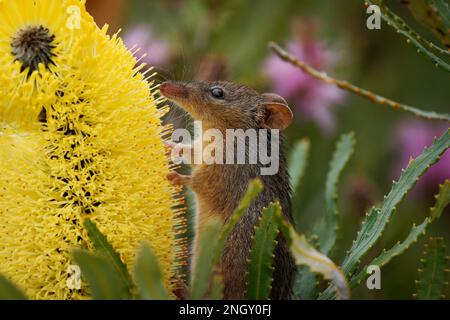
102,246
376,221
260,271
103,280
443,10
148,276
254,189
327,228
213,240
433,274
216,292
305,285
8,291
442,200
298,160
386,256
427,13
204,264
412,37
306,255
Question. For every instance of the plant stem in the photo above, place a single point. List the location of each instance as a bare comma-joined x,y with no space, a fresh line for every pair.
345,85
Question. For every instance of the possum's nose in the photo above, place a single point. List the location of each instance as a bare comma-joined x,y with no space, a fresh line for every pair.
174,90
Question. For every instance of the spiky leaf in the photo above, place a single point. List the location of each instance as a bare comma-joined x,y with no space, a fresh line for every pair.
260,271
327,229
103,279
216,292
254,189
418,41
306,255
378,218
376,221
442,200
433,275
443,10
8,291
204,263
212,246
305,285
148,276
298,160
427,13
386,256
102,246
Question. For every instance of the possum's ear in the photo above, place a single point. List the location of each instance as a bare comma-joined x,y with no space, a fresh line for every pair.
278,114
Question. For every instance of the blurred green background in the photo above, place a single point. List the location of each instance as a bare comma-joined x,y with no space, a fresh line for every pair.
196,40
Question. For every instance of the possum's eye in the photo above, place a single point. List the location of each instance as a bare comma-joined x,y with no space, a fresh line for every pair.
217,92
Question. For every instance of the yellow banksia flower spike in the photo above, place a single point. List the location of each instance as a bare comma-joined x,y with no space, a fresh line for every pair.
80,137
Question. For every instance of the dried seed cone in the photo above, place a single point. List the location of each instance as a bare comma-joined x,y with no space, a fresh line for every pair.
80,137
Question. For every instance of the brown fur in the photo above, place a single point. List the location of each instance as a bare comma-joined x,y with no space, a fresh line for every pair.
219,188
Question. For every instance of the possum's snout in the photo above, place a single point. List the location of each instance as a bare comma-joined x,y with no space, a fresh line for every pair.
174,90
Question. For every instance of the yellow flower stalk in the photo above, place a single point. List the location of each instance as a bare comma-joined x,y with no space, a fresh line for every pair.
80,137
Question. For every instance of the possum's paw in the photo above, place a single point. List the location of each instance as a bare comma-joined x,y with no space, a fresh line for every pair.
178,152
177,179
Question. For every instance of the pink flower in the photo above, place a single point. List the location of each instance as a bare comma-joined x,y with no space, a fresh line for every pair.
313,99
411,137
156,50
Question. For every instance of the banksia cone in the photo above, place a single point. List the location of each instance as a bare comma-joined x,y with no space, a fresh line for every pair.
80,137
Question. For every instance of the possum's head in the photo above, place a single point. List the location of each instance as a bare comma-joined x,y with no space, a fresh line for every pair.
229,105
